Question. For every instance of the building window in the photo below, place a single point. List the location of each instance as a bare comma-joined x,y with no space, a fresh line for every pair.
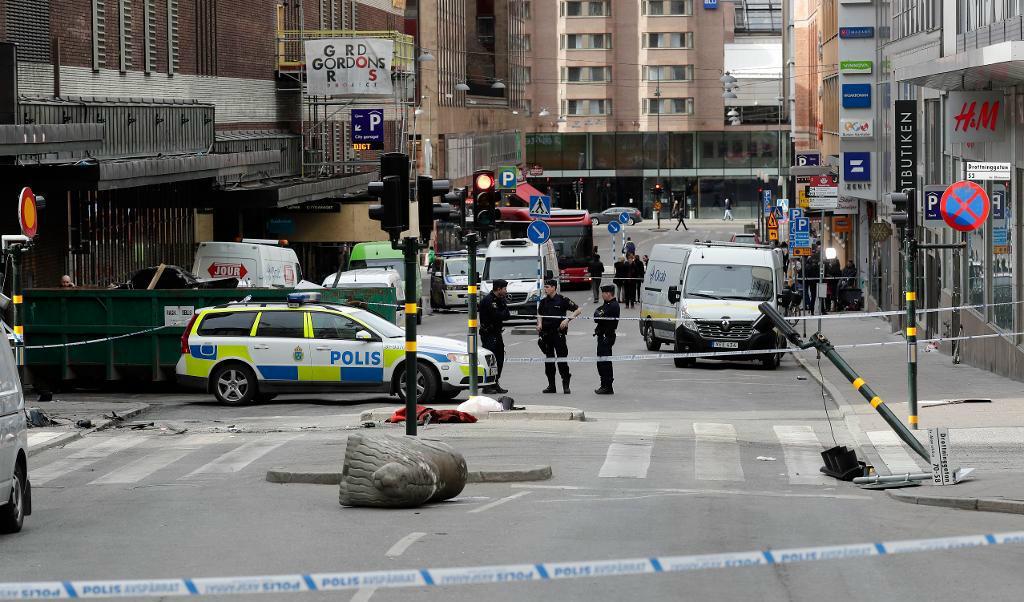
676,8
668,73
523,42
759,16
99,34
527,9
669,106
587,107
586,41
525,74
173,65
668,40
206,37
125,34
149,27
588,8
586,74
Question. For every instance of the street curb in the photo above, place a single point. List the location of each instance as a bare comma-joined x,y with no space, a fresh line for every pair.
487,475
962,503
551,413
75,435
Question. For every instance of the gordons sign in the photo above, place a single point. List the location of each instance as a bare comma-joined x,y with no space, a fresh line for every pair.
974,116
349,67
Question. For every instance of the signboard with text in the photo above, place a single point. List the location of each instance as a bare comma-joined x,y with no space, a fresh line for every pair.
988,171
974,117
906,144
368,129
349,67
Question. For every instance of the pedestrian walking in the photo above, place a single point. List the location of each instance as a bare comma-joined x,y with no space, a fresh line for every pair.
680,215
629,247
606,320
493,314
728,210
552,325
620,281
596,270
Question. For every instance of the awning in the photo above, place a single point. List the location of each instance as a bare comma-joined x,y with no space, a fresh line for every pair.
287,192
1001,65
524,191
49,138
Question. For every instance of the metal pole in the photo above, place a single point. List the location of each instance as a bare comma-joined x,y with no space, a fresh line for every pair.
410,250
17,314
910,261
472,337
657,99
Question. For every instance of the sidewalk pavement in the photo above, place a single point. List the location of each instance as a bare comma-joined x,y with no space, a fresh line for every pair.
102,415
985,435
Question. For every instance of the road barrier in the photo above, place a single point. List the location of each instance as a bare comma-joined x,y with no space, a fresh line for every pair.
478,575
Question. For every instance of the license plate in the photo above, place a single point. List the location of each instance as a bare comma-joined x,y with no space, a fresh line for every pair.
725,344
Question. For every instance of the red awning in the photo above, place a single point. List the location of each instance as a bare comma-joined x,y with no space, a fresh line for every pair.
524,191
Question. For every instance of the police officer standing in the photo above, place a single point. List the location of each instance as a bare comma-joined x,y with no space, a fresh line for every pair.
606,320
493,313
552,324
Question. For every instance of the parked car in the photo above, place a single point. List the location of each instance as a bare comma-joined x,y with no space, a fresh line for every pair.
750,238
15,490
612,213
449,279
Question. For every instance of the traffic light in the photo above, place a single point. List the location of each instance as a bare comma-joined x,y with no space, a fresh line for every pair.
393,192
485,200
426,189
456,199
658,189
903,206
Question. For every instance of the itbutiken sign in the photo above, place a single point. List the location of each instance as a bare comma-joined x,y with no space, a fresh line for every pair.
349,67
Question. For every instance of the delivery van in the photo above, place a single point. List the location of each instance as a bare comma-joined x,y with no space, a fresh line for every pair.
257,263
704,298
15,490
524,265
382,255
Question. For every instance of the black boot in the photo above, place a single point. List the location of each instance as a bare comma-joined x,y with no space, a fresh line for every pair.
604,390
565,386
551,387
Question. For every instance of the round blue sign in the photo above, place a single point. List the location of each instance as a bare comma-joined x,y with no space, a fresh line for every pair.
538,231
624,217
614,227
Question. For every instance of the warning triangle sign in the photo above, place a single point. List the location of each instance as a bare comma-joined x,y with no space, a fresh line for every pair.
540,208
773,222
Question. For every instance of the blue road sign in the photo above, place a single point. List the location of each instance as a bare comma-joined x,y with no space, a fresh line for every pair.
964,206
614,227
766,201
794,213
540,206
932,198
808,158
368,127
998,204
778,212
507,177
624,217
538,231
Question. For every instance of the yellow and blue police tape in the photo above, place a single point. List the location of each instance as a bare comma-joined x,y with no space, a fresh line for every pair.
478,575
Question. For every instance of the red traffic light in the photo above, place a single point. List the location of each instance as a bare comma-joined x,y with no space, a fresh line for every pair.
483,181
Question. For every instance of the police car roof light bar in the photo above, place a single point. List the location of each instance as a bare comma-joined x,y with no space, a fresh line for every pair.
296,299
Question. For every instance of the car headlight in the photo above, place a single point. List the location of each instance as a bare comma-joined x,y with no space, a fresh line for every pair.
459,358
688,322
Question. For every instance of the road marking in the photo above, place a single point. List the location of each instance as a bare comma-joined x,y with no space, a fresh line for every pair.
629,455
803,455
81,458
241,456
708,492
403,544
135,471
717,456
890,447
496,503
36,439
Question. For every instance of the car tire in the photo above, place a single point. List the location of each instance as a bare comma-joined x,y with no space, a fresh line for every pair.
595,221
234,384
653,344
427,383
12,515
682,362
631,222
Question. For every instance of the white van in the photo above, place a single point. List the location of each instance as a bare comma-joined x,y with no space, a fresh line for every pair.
15,490
704,297
524,265
371,278
256,263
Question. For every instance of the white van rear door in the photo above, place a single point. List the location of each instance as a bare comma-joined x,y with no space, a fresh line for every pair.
654,296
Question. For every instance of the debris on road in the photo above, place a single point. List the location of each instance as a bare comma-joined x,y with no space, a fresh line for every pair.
38,418
84,424
765,458
424,414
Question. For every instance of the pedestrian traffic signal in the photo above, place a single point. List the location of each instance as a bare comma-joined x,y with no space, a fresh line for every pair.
393,192
426,189
485,200
456,199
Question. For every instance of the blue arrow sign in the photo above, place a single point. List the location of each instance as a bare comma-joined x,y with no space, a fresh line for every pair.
614,227
538,231
624,217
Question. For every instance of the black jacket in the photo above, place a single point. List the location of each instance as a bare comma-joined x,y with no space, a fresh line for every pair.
610,309
493,313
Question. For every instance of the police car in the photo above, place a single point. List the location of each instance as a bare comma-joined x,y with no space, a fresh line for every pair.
251,351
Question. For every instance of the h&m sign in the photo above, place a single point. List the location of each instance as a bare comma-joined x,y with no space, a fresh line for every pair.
974,116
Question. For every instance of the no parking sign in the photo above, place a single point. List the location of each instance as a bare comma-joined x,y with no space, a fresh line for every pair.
964,206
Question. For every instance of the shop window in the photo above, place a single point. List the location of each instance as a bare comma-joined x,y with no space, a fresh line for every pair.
629,150
1002,258
976,253
574,151
680,151
604,151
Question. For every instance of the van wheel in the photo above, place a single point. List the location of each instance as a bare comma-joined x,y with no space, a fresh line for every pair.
234,385
682,362
12,516
653,344
426,383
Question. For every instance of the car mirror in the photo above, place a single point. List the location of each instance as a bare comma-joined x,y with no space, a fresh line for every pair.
673,294
364,336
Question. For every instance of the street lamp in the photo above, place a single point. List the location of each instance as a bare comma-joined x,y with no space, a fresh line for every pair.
425,56
543,112
462,87
498,85
657,144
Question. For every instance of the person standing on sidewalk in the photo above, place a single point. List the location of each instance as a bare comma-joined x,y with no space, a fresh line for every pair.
493,313
728,210
552,325
606,320
620,281
596,270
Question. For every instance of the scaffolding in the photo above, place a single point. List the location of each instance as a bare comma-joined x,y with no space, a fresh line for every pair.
326,121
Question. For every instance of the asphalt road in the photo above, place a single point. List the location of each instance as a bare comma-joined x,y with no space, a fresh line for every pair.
716,458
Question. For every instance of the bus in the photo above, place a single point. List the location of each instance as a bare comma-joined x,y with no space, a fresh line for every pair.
572,235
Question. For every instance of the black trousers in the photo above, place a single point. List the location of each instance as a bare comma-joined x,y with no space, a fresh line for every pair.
553,345
630,293
604,369
595,287
494,343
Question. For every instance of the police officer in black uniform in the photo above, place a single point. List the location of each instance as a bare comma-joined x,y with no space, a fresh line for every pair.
552,324
493,313
606,320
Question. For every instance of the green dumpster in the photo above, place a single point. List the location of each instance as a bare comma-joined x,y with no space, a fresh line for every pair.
80,334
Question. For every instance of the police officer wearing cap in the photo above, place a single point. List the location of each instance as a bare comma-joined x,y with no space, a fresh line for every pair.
606,320
552,324
493,313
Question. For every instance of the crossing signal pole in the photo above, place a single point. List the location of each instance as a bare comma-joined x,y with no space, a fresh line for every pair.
486,214
393,215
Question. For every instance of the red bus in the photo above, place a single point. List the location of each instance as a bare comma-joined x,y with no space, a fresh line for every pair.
572,234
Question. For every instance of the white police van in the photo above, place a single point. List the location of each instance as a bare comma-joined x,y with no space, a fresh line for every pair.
252,351
15,491
524,265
